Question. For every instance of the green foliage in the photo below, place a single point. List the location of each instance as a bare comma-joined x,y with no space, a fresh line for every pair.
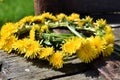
13,10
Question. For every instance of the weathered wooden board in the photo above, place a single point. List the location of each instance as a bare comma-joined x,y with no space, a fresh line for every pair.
107,9
91,6
15,67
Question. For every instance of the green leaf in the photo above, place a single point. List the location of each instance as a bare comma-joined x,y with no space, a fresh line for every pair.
47,42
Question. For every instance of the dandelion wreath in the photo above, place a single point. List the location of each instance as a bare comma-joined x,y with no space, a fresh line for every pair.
57,37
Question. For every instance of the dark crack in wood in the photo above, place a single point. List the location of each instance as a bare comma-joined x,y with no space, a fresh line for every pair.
0,66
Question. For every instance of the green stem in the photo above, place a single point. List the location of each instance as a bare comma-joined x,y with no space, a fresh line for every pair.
57,35
72,29
56,24
64,24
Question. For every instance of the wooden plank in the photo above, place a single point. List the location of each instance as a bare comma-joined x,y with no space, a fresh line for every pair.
117,35
17,68
107,9
79,6
88,75
91,6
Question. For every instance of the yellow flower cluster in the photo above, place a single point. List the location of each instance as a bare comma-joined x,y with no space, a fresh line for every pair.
34,37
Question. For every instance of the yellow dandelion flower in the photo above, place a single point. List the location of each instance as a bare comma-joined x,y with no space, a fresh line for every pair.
71,45
108,29
56,59
45,52
32,33
86,52
100,22
7,30
47,15
44,28
34,28
81,23
98,43
33,47
19,24
61,16
36,19
109,45
73,17
2,42
9,43
22,22
109,38
88,19
108,50
20,45
37,27
26,19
